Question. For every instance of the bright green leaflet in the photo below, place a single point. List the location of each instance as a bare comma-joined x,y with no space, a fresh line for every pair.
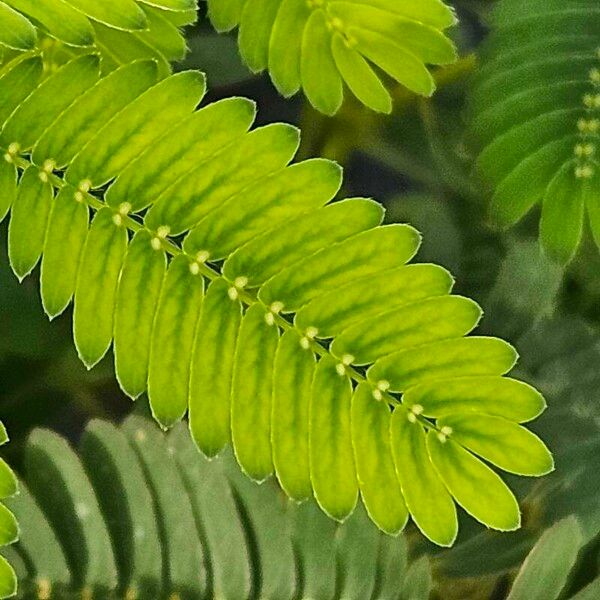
477,488
101,261
121,14
210,374
8,481
285,45
292,380
360,77
8,579
74,128
427,500
28,122
175,321
411,325
524,453
251,393
184,553
300,283
65,237
438,360
181,149
9,531
162,35
28,220
332,313
379,487
300,188
267,254
321,80
330,441
513,399
222,176
137,299
106,154
175,5
60,19
16,84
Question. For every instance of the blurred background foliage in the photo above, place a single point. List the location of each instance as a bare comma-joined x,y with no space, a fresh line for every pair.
418,163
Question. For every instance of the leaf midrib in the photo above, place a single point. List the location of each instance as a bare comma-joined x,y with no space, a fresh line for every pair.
247,297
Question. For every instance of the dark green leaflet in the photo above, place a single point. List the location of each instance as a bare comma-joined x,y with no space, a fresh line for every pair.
49,460
219,533
535,119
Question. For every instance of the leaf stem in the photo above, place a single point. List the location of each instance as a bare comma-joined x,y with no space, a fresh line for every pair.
246,296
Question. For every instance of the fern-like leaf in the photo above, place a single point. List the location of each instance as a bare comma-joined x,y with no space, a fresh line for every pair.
233,287
320,45
536,106
184,527
120,30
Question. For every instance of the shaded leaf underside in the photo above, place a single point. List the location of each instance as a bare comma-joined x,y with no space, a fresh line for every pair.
536,116
184,527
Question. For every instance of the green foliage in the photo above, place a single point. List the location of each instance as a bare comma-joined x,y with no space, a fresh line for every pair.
545,570
320,45
120,30
9,528
278,331
559,565
184,527
559,356
231,286
536,110
548,571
